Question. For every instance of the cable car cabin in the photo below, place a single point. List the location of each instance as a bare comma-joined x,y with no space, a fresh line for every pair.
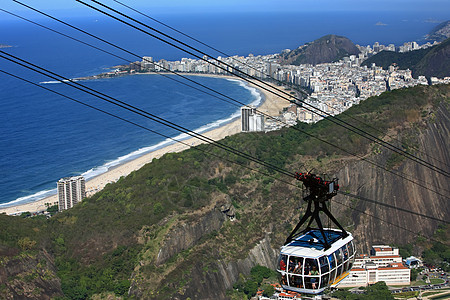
306,267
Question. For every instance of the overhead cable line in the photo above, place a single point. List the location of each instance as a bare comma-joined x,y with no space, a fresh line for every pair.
234,162
314,110
402,175
204,151
202,43
393,224
134,109
392,206
184,77
268,75
151,130
148,115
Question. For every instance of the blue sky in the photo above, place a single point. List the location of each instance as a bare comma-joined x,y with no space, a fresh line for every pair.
207,6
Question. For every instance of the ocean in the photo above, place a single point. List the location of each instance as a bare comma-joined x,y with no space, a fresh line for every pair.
45,137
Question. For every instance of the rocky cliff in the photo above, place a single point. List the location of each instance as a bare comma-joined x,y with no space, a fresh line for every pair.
371,182
28,276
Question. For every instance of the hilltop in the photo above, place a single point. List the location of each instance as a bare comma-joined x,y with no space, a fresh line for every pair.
433,61
329,48
189,224
440,32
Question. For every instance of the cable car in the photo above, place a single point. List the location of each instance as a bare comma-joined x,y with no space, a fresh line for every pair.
314,259
305,266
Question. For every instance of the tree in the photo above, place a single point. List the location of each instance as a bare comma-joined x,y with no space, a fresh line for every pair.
268,290
26,243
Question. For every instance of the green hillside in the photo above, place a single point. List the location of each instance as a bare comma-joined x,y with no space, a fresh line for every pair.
433,61
111,240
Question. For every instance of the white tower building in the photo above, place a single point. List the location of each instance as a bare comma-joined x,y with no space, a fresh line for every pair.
251,120
71,190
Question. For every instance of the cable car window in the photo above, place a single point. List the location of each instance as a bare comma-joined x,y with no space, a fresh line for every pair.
350,249
282,262
324,266
332,275
345,267
345,252
309,264
296,281
297,263
332,261
324,281
338,255
291,264
283,279
339,271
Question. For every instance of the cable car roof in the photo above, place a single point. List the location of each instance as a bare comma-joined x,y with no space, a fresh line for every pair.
311,244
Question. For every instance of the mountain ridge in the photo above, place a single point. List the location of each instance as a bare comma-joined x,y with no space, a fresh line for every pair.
329,48
440,32
433,61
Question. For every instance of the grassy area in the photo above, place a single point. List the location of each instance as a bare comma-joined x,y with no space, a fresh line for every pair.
436,281
444,296
407,295
418,283
434,292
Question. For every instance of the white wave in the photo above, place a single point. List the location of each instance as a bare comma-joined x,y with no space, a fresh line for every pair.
31,198
58,81
258,96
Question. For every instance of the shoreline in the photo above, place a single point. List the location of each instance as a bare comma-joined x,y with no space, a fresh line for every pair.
270,105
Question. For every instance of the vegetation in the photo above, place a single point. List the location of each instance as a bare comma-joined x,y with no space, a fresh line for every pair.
407,295
377,291
110,242
249,285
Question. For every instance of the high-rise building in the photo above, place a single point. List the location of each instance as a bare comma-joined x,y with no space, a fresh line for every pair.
251,120
71,190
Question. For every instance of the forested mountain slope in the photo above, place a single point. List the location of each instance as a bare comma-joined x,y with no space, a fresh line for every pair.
165,231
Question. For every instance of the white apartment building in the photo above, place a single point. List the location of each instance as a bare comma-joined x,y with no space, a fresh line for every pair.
384,264
71,190
251,120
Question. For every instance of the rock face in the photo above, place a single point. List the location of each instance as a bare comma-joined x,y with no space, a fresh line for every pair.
373,183
187,235
29,277
213,284
327,49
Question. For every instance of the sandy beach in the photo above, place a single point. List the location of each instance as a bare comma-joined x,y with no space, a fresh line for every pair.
272,105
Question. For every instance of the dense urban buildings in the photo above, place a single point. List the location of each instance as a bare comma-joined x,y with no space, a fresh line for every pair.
71,190
334,87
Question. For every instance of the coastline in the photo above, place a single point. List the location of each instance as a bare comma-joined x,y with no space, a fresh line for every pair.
270,104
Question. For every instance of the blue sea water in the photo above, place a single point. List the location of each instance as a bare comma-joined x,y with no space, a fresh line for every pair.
44,136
